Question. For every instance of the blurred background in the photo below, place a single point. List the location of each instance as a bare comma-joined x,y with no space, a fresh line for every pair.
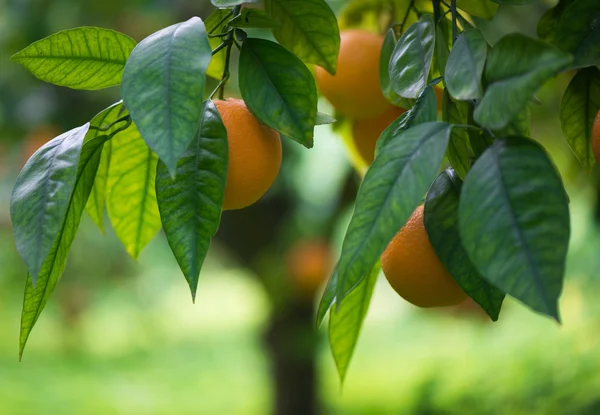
120,337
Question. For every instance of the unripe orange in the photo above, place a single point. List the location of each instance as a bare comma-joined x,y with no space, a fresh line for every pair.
366,132
414,270
254,155
355,90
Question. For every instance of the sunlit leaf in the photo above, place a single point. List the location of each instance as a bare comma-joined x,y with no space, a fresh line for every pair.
389,42
514,222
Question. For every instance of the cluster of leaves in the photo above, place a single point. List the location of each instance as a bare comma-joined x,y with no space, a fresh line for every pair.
158,158
498,217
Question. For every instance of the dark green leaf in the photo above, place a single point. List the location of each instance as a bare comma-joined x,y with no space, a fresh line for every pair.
443,43
480,8
279,89
465,66
131,200
253,18
82,58
190,205
163,85
514,2
393,187
441,222
346,321
578,32
411,59
384,75
578,108
519,126
36,296
546,28
517,67
324,119
308,29
459,151
40,198
514,222
103,124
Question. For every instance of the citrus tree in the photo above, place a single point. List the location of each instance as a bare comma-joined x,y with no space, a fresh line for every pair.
456,199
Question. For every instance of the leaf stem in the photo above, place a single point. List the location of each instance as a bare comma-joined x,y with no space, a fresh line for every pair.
454,26
227,16
405,19
227,44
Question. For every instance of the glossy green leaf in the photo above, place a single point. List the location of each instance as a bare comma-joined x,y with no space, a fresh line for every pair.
459,150
578,109
309,29
81,58
389,42
411,59
465,66
190,205
392,188
103,124
279,89
480,8
328,298
163,86
546,28
441,222
514,222
579,32
423,111
346,321
253,18
41,195
131,200
36,296
516,68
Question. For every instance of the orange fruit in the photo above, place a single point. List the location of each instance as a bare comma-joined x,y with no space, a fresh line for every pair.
414,270
355,90
254,155
596,138
367,132
309,263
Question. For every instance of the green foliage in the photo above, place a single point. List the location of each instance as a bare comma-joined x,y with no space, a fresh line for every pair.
252,18
578,108
459,152
516,68
387,49
81,58
190,205
308,28
465,66
441,222
480,8
163,85
514,222
279,89
411,59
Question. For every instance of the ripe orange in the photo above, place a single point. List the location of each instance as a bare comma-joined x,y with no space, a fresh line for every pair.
414,271
596,138
309,263
254,155
367,132
355,90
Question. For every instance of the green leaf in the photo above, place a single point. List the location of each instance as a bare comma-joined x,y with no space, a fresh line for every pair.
163,86
36,296
103,124
546,28
519,126
346,321
190,205
40,197
480,8
384,75
323,119
514,2
459,150
253,18
443,44
131,200
578,32
441,222
465,66
423,111
279,89
328,298
411,59
578,109
517,67
217,20
393,187
230,3
82,58
514,222
309,29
